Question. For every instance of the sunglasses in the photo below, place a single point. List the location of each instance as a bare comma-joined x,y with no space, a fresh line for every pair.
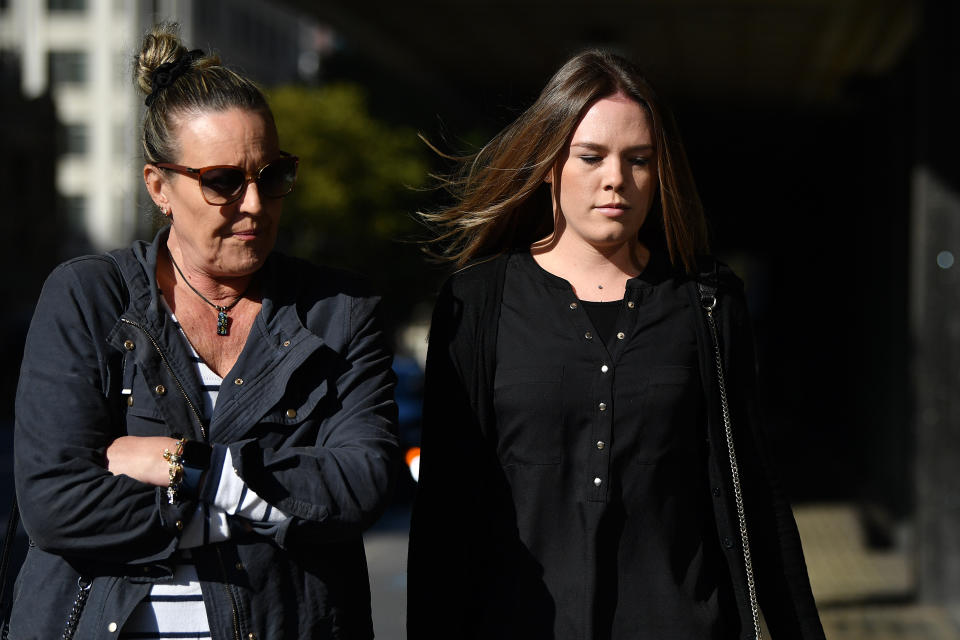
223,183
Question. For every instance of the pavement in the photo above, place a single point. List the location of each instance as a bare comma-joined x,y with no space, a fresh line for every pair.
386,545
863,592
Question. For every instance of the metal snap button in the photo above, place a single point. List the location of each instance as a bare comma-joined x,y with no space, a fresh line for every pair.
160,389
128,345
291,413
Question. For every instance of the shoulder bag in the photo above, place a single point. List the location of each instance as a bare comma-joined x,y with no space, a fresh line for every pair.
708,301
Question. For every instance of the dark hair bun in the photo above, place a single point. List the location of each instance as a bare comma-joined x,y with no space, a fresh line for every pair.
161,45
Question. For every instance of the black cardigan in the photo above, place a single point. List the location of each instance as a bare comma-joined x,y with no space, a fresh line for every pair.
466,561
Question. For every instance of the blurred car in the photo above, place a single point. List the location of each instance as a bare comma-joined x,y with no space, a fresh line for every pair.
409,396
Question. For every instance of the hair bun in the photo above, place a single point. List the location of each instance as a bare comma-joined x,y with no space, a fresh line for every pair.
178,82
160,46
167,73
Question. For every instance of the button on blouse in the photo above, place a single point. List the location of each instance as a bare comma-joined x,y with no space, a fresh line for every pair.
603,447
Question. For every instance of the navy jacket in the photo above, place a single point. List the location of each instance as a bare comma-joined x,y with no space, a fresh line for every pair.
311,429
467,556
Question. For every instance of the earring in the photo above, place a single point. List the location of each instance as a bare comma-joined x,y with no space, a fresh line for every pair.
165,210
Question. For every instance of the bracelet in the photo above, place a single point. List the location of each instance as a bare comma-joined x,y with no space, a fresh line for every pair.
175,471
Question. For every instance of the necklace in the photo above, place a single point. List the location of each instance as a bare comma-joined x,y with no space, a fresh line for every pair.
223,322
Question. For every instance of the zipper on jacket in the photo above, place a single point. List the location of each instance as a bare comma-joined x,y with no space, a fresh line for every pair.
233,600
176,379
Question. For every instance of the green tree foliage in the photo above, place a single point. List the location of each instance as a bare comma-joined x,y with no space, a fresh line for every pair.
360,183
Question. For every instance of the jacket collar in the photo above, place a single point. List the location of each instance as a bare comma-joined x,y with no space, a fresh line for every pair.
139,267
277,345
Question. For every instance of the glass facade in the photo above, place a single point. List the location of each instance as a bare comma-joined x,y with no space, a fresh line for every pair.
68,67
75,139
66,5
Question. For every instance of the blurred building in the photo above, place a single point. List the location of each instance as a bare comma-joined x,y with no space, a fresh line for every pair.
32,232
80,51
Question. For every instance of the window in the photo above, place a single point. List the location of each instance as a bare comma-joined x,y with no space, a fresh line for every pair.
9,67
66,5
74,139
68,67
75,210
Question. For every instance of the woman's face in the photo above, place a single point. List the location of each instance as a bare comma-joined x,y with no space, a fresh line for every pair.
607,177
220,240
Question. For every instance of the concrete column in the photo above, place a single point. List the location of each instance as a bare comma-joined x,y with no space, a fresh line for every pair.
102,217
30,20
935,306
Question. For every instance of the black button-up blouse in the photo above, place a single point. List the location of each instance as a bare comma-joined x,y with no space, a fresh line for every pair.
603,446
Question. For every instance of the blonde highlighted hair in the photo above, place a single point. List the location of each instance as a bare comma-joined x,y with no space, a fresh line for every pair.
204,86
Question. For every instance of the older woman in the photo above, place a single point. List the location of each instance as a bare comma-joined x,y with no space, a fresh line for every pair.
203,426
592,464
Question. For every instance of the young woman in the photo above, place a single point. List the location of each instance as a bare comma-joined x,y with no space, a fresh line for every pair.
577,479
204,426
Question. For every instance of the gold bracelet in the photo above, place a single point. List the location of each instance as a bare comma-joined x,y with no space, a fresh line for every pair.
175,471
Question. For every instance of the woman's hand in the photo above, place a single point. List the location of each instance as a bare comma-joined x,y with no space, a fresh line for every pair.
141,458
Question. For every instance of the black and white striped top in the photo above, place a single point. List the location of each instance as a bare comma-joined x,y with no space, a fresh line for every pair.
174,608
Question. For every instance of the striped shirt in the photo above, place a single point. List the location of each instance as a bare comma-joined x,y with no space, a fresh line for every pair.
174,608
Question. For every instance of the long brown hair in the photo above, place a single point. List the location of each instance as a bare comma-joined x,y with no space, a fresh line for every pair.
502,202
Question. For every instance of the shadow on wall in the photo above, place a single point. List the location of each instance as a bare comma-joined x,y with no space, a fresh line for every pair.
36,233
812,208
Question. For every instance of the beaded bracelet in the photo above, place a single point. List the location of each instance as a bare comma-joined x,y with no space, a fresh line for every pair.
174,459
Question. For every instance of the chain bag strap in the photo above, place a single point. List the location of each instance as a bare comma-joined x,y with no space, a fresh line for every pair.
708,300
13,519
73,620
